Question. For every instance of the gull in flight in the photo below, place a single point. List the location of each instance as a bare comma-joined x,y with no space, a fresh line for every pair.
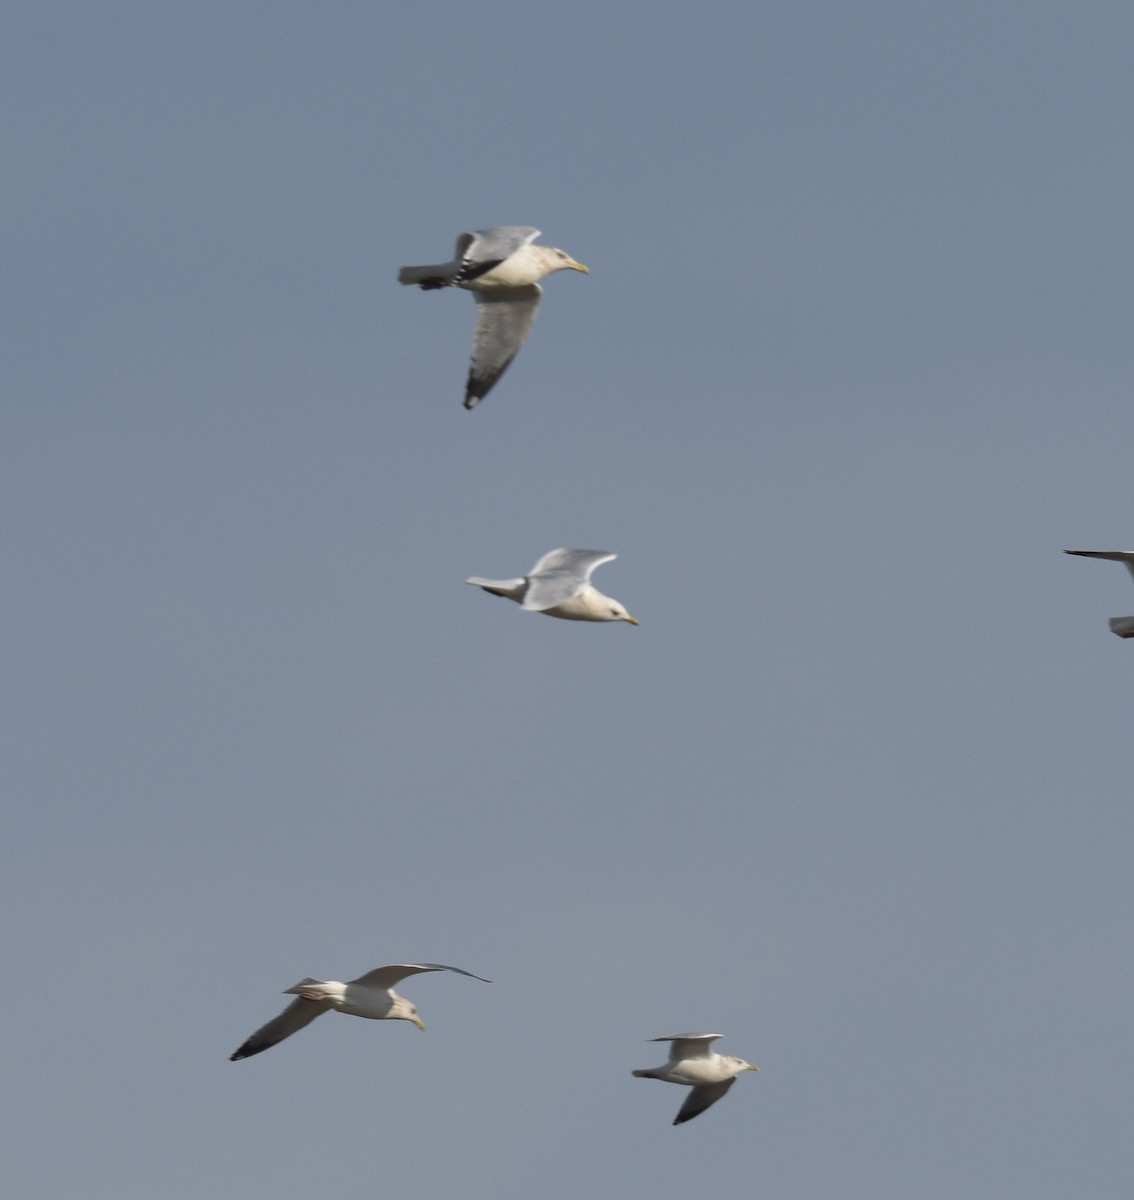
501,266
371,995
1123,626
560,586
694,1063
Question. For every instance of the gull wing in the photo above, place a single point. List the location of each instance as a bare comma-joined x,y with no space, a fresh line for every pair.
1122,556
561,574
387,977
689,1045
578,562
504,319
497,243
482,251
700,1098
298,1013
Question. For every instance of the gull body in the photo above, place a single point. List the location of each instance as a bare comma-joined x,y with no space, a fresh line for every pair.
694,1063
501,266
1122,626
559,585
371,995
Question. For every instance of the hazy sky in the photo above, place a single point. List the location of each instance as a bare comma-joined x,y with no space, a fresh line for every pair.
852,367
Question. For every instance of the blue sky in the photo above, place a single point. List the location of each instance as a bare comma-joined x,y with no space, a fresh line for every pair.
850,370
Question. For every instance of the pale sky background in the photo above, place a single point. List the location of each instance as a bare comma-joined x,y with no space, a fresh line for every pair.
852,367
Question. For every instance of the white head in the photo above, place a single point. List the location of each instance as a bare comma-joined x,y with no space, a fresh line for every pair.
560,260
740,1064
402,1009
613,611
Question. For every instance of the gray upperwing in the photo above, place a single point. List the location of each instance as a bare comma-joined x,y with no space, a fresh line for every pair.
298,1013
499,242
387,977
700,1098
690,1045
560,575
552,588
582,562
1122,556
510,589
504,320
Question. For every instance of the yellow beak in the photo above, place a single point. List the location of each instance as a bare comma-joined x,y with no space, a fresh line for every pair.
750,1067
419,1023
578,266
632,620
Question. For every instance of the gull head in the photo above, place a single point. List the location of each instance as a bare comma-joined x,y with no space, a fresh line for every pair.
560,260
615,612
741,1065
402,1010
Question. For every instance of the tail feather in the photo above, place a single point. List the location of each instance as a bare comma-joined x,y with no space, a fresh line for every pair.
430,276
508,588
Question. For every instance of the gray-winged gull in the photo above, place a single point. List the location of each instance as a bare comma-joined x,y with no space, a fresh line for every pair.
1123,626
560,586
371,995
501,266
694,1063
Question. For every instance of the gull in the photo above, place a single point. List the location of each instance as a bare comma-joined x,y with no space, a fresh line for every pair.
501,266
1123,626
694,1062
560,586
371,995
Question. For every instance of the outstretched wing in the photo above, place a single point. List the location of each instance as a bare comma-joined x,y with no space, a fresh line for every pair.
700,1098
1122,556
387,977
499,242
689,1045
561,574
504,319
298,1013
578,562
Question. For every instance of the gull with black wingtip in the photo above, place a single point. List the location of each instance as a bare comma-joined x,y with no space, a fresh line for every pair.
694,1063
371,995
501,267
